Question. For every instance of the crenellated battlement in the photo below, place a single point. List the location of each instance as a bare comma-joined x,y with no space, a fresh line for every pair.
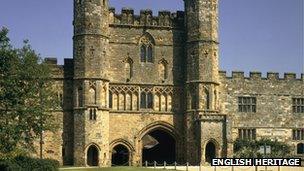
258,75
61,71
146,18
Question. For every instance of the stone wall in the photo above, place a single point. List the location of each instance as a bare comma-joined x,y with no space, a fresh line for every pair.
274,117
167,47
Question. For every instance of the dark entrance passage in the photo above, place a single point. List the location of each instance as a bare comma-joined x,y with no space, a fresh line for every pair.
210,152
120,156
92,156
300,148
158,146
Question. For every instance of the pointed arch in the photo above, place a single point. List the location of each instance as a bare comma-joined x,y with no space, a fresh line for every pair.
147,38
122,152
92,157
146,43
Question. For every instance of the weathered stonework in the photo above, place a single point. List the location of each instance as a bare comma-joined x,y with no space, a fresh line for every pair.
103,87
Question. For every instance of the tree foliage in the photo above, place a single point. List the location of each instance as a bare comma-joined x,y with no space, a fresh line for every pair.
26,96
250,148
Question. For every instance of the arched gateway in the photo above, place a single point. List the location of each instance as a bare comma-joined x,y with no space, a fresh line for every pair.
120,156
159,143
121,153
210,151
92,156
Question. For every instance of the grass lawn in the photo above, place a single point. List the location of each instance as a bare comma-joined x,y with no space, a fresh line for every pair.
110,169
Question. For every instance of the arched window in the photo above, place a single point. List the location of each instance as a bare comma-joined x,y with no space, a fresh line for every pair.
146,48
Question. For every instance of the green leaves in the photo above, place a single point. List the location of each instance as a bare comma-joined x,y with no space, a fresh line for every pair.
26,96
249,148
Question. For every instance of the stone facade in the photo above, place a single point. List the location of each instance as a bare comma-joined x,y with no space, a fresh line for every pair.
132,75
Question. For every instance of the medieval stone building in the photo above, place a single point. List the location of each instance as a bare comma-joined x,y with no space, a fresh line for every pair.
148,88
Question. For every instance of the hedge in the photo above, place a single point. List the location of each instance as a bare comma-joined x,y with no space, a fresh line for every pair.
22,163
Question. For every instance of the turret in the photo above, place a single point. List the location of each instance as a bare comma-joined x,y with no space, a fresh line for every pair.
91,38
91,84
205,125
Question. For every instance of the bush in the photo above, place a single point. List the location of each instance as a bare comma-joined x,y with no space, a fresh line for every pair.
9,165
249,148
22,163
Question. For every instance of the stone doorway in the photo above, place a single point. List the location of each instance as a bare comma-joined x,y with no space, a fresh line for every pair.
210,152
120,156
300,148
159,146
92,156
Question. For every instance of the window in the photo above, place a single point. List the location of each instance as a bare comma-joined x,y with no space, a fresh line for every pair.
150,54
143,53
247,104
146,53
60,99
298,134
298,105
79,97
146,100
92,114
110,100
146,43
63,151
248,134
207,99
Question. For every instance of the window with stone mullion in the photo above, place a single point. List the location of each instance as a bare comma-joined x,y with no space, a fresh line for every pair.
247,104
298,105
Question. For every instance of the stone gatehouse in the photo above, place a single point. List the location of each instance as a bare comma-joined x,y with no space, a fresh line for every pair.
148,88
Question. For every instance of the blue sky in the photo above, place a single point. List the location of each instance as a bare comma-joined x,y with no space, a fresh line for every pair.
255,35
